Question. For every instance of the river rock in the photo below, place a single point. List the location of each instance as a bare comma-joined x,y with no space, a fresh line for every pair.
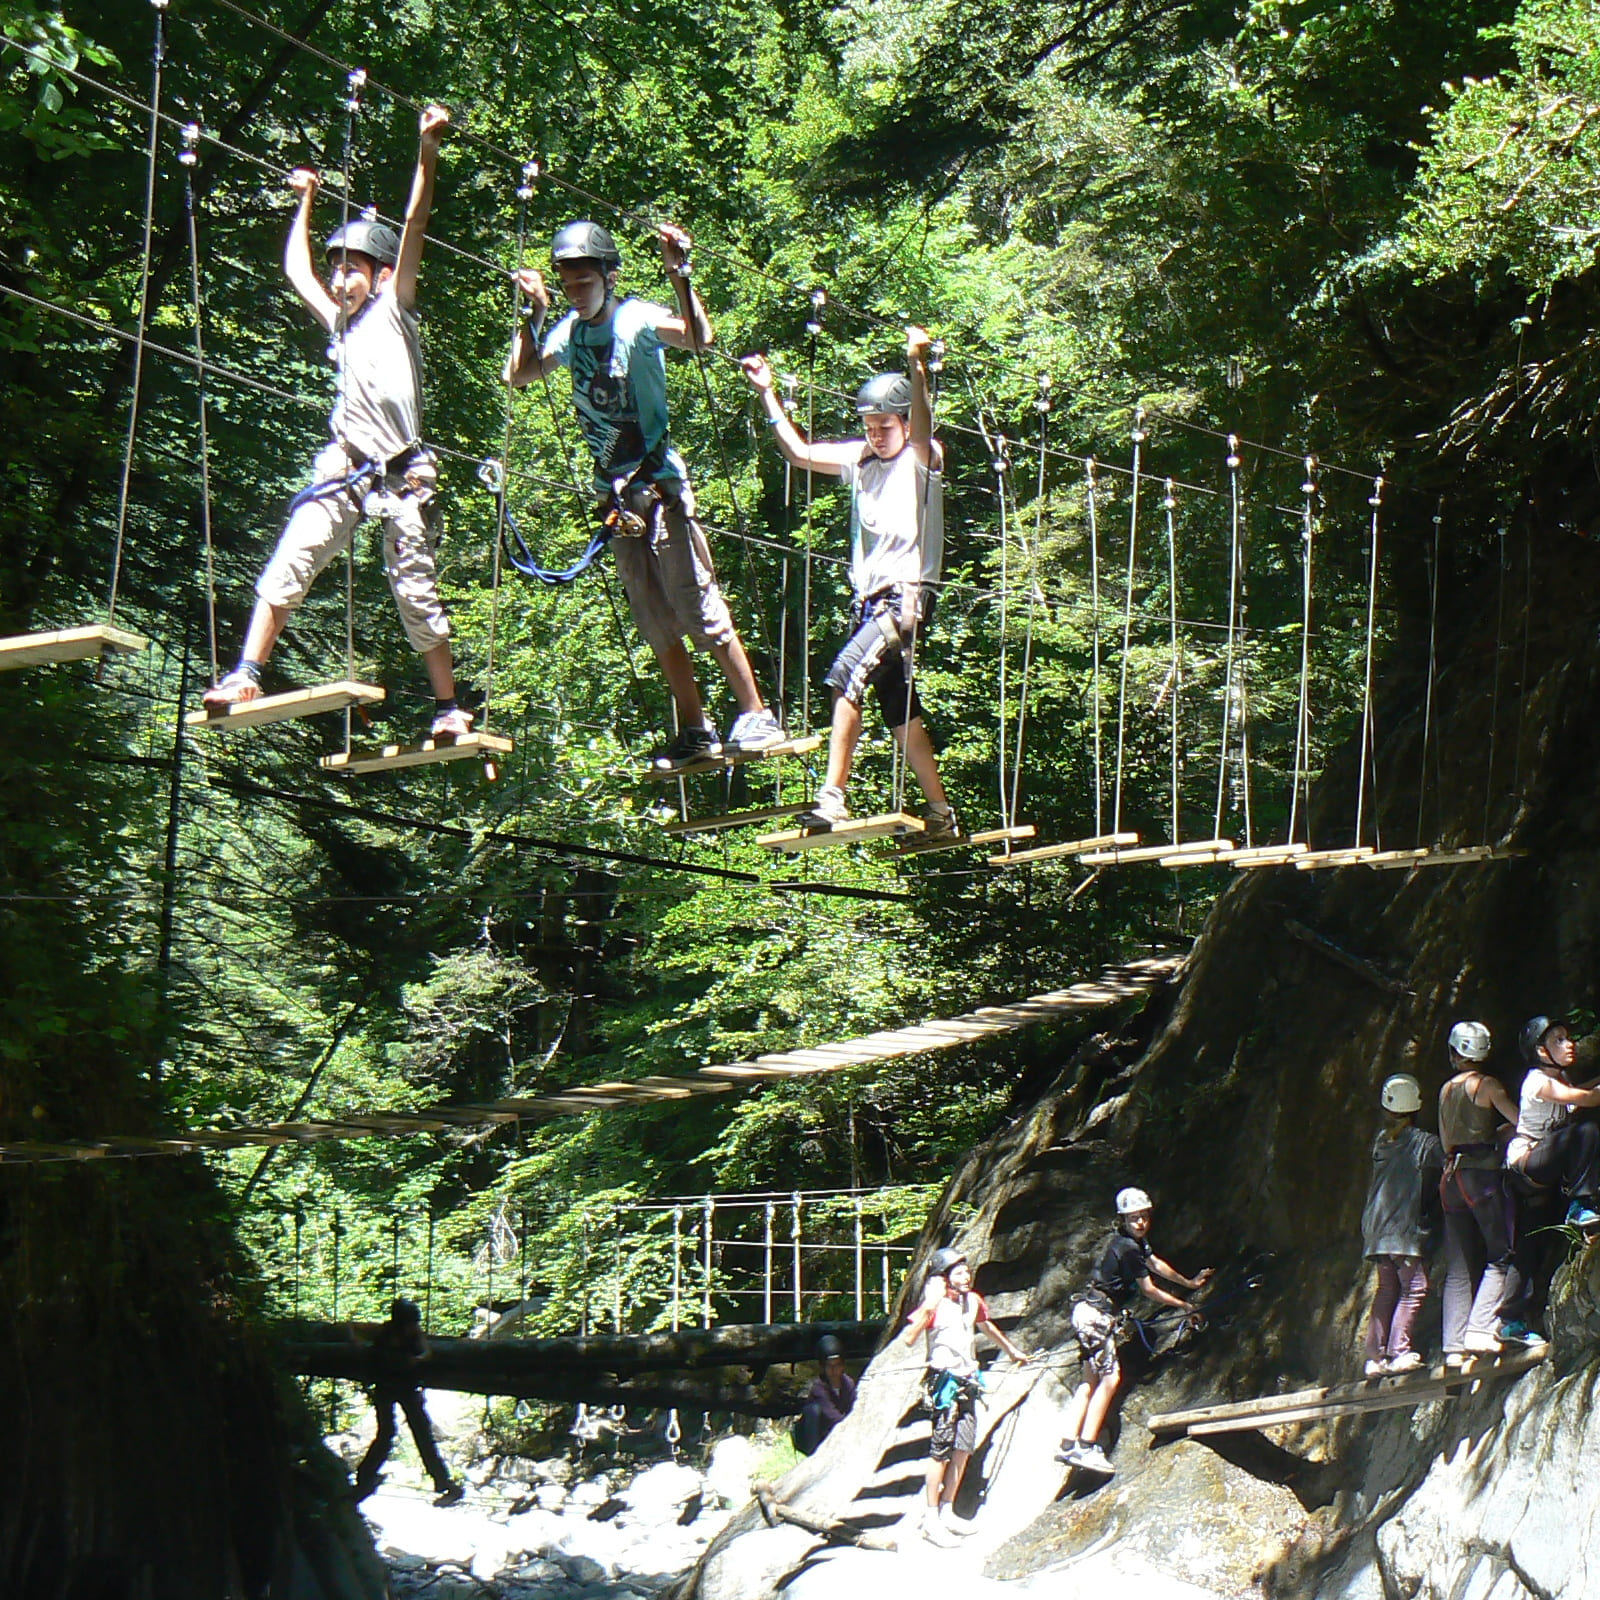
659,1492
728,1476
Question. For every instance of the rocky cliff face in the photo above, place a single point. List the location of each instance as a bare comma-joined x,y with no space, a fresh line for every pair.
1244,1100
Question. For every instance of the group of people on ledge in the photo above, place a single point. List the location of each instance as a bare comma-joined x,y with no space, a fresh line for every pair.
378,465
1504,1177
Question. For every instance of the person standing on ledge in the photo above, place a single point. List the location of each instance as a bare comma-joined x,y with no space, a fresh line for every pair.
952,1314
377,464
613,349
1128,1266
896,480
398,1349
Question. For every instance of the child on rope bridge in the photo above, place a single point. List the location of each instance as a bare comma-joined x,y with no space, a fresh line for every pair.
613,350
377,465
896,479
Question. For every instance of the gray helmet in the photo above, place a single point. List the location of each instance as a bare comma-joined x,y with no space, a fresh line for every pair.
829,1346
944,1260
1534,1031
888,393
362,236
586,241
1470,1041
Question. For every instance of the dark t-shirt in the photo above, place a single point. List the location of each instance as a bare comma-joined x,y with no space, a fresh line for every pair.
833,1403
1124,1265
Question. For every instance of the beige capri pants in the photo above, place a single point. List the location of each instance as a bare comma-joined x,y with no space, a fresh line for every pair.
667,572
321,528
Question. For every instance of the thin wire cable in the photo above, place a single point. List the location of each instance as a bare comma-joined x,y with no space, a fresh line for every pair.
1433,638
1494,701
1302,737
158,55
1169,503
1368,752
1234,461
1091,496
1042,405
341,329
819,301
1000,464
188,159
1138,436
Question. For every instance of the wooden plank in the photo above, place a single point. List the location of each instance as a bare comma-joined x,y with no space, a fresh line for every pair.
1072,847
1393,859
67,644
1164,853
391,757
1267,855
1195,858
851,832
961,841
1317,860
284,707
735,819
736,758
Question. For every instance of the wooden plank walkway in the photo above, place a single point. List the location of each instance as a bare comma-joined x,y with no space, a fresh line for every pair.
386,758
1342,1399
67,644
285,707
1113,985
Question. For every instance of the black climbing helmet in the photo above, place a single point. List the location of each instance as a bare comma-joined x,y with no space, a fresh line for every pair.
888,392
365,237
944,1260
586,241
829,1346
1534,1032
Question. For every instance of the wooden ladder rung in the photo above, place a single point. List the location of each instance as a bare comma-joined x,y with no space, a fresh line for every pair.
735,819
67,644
1316,860
391,757
1201,851
1072,847
285,707
737,758
1266,855
851,832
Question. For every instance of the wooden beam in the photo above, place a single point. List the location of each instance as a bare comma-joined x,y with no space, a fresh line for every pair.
851,832
737,758
960,841
285,707
1266,855
839,891
1072,847
391,757
1393,859
1195,858
67,644
735,819
1351,963
1316,860
1166,854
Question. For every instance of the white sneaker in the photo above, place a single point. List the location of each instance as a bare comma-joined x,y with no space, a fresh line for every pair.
1409,1362
1455,1360
452,724
934,1530
1375,1368
753,731
827,809
1093,1459
1480,1344
963,1527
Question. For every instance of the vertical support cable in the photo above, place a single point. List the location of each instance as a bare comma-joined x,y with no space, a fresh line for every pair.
813,329
799,1315
1138,436
158,56
616,1268
1234,461
677,1268
352,109
1302,734
187,159
1169,503
1041,404
1091,500
709,1232
1000,465
1494,699
427,1292
1368,753
766,1292
860,1262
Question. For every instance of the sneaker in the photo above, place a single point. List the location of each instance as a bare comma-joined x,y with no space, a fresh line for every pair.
235,689
1521,1333
452,724
1375,1368
452,1495
753,731
935,1532
826,810
691,745
1093,1459
1581,1214
940,825
1455,1360
1408,1361
962,1527
1480,1344
1068,1453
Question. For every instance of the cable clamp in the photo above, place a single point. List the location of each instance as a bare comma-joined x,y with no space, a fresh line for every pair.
357,81
531,172
190,153
492,475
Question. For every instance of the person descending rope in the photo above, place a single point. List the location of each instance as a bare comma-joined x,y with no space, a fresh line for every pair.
896,480
1102,1319
376,465
828,1400
398,1350
612,348
1552,1155
1407,1163
1477,1211
952,1314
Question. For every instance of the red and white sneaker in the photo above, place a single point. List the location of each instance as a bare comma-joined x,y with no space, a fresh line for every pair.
452,724
235,689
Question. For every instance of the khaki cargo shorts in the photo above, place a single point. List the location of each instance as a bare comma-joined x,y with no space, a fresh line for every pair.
667,572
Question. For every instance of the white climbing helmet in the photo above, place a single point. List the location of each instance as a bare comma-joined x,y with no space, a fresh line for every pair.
1130,1201
1470,1041
1402,1093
